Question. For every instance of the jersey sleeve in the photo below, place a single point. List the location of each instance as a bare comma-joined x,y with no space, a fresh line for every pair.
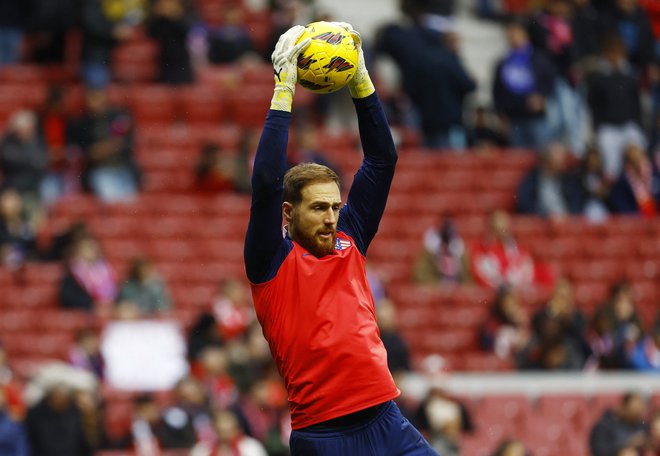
265,247
367,197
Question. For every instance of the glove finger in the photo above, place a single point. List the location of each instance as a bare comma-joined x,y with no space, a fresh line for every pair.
292,35
298,48
287,39
357,39
345,25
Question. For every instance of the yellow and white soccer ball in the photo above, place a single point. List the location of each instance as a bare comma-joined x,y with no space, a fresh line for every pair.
331,59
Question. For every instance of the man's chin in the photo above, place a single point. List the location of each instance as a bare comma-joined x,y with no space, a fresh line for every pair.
321,248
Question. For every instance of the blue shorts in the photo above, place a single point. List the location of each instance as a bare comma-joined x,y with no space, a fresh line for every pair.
386,434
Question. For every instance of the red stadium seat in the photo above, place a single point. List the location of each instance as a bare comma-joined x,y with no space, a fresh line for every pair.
569,409
152,103
202,104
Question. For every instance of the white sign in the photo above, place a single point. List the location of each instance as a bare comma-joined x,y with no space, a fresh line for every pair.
143,355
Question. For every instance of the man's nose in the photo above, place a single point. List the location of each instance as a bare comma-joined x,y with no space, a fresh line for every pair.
330,217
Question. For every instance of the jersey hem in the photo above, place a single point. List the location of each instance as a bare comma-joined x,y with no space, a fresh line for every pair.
348,411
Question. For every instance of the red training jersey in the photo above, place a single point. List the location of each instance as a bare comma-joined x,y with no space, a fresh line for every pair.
319,318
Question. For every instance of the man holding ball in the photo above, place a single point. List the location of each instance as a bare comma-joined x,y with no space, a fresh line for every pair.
309,284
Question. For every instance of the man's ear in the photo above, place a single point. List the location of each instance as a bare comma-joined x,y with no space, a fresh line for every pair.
287,211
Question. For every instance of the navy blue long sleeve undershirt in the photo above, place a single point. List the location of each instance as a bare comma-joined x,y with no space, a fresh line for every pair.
265,246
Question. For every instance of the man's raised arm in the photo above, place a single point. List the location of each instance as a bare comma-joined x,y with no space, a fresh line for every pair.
368,195
264,243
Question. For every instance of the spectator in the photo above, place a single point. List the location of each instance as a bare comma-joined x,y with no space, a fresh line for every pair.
254,362
106,137
92,418
511,448
628,326
225,40
627,20
645,356
189,417
17,235
89,283
13,16
216,170
232,309
86,353
551,189
310,150
229,439
63,242
443,419
10,389
433,77
523,81
144,424
144,289
615,329
103,28
55,130
498,260
170,24
585,26
13,438
213,372
637,191
486,132
378,282
595,186
265,414
55,427
23,158
398,356
613,94
619,428
604,342
506,331
552,347
561,307
203,334
653,439
551,32
49,23
443,258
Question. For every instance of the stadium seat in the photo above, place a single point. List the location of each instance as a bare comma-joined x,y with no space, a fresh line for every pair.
152,103
202,104
569,409
512,409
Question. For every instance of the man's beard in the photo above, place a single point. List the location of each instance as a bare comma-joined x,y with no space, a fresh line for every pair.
315,245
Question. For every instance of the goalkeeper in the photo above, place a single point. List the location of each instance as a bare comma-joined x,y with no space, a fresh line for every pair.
309,284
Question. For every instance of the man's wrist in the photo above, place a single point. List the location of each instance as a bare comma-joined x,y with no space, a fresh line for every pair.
282,99
361,87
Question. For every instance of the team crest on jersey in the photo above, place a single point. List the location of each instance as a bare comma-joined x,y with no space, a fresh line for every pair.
342,244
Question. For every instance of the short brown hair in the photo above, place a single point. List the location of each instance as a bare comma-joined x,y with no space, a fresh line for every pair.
302,175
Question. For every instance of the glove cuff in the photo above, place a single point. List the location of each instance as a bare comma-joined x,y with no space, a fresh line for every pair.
282,99
361,86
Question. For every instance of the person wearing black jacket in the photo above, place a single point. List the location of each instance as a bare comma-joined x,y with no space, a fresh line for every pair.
524,80
13,17
630,22
55,427
434,78
613,94
100,35
551,190
170,24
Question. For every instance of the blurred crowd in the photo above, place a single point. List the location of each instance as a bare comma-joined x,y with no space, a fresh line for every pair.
579,85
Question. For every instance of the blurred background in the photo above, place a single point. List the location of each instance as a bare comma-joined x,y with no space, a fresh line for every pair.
516,272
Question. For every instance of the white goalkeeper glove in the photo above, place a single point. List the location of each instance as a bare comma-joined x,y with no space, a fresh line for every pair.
285,59
360,85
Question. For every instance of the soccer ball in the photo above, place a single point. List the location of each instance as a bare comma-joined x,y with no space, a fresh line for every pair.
329,61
